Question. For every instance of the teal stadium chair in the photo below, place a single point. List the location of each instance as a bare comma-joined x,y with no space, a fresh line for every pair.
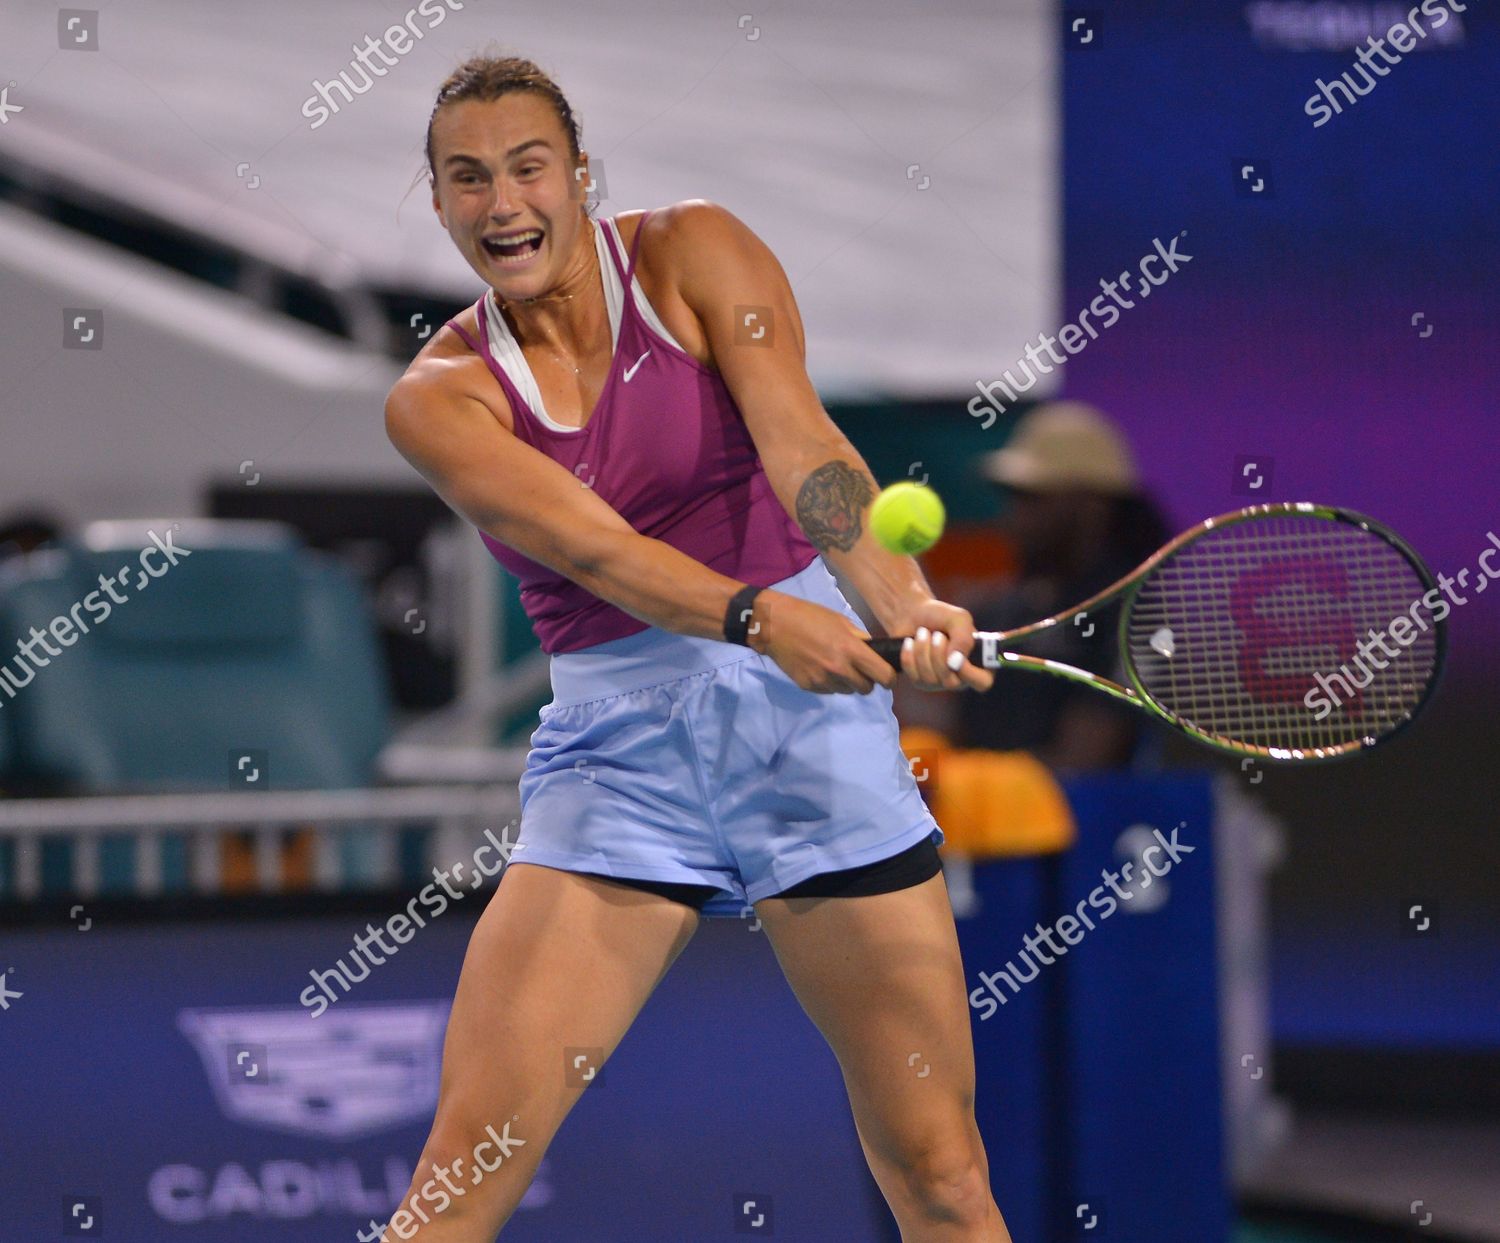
7,753
7,849
252,645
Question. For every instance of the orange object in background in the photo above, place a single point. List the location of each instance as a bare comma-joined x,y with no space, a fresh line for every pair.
989,804
238,871
970,556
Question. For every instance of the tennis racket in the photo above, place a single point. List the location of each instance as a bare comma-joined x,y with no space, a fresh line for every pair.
1254,632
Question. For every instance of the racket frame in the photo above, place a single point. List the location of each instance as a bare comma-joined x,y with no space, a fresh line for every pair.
992,646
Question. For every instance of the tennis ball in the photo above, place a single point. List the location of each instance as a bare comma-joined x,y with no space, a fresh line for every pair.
907,518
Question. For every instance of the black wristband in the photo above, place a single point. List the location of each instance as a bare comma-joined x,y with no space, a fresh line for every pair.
737,615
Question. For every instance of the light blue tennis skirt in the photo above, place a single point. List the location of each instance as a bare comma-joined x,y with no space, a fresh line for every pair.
671,758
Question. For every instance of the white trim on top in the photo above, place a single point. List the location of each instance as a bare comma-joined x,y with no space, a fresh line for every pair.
507,351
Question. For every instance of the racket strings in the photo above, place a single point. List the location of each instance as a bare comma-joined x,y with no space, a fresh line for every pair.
1252,632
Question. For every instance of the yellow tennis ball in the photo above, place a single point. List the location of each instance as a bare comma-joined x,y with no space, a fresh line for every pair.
907,518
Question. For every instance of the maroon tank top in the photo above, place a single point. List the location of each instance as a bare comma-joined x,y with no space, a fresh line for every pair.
666,448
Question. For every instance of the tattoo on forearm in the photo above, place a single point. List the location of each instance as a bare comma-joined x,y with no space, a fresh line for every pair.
831,505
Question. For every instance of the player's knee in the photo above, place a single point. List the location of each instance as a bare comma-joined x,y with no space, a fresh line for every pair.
464,1169
946,1181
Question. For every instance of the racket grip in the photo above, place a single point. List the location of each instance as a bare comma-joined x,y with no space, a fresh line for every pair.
889,650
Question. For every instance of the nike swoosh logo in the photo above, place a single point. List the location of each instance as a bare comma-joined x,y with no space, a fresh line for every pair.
631,370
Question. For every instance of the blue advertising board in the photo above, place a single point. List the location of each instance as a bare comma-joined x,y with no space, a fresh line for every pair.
166,1078
1097,1037
163,1080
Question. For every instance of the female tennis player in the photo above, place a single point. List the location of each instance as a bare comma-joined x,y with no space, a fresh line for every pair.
626,418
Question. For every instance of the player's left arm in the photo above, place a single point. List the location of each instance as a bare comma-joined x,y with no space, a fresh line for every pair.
721,269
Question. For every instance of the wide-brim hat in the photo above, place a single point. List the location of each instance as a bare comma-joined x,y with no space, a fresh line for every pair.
1064,446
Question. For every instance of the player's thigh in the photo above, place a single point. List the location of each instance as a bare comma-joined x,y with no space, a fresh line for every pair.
557,969
882,978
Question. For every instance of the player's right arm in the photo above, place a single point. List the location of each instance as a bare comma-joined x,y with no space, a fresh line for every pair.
447,429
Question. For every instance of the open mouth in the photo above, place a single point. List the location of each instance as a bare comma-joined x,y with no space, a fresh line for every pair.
515,248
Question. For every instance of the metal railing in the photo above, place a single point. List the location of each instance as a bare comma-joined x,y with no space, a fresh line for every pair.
455,815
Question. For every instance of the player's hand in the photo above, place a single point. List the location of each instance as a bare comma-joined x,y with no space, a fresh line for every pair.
936,631
819,649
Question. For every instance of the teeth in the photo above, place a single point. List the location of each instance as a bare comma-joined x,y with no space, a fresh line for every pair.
493,246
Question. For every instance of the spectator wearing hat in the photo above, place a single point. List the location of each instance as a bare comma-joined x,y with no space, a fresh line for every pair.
1079,520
